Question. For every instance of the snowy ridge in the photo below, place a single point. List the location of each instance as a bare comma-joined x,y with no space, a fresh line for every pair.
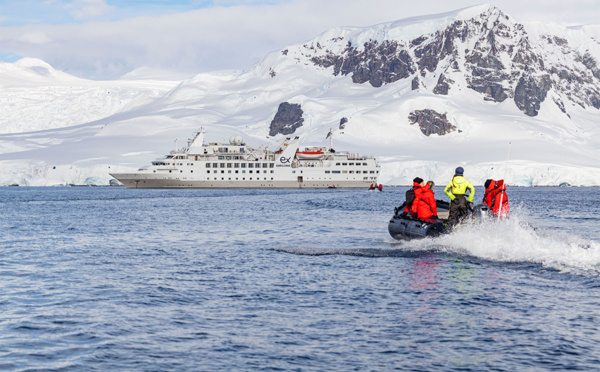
494,80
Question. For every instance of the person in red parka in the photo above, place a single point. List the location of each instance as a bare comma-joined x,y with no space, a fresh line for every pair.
495,193
425,207
416,190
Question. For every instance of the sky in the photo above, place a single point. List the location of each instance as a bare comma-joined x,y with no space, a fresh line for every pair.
105,39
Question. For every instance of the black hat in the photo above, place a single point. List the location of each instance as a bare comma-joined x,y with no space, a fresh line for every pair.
418,180
487,183
459,171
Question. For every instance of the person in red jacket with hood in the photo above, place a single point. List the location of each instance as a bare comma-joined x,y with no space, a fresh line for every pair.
425,207
495,194
417,190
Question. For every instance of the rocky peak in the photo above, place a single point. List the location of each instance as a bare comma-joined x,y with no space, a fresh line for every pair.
481,49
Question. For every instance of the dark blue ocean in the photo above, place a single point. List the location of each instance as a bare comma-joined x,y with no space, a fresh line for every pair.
110,279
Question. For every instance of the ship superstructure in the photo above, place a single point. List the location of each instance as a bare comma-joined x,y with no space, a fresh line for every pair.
236,165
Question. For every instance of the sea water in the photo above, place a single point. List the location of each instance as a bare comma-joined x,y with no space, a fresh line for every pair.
102,279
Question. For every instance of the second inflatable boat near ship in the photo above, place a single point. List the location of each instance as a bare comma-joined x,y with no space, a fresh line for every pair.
236,165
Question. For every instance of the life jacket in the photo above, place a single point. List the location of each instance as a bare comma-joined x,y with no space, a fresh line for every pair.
459,186
493,194
426,205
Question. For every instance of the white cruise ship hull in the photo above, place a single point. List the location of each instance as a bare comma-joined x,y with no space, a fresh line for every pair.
134,181
235,165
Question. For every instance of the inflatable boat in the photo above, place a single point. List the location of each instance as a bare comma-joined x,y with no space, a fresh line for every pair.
404,227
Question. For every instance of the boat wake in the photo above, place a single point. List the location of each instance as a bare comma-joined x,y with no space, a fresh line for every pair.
513,240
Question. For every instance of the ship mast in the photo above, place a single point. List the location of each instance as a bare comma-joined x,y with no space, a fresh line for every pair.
330,136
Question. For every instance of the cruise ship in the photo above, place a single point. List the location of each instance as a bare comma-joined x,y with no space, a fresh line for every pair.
236,165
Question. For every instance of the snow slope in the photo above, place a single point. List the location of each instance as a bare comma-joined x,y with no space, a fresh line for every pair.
63,130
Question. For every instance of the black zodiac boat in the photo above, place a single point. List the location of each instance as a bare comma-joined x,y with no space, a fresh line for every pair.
405,227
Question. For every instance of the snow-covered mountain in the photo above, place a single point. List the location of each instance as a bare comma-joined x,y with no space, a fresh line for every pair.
423,95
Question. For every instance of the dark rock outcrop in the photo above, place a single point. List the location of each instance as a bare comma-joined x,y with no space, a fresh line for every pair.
343,122
414,84
443,85
287,119
377,63
431,122
530,92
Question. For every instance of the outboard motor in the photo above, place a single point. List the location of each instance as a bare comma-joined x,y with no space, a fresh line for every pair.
481,211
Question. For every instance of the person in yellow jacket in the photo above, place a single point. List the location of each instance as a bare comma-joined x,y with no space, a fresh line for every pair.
456,190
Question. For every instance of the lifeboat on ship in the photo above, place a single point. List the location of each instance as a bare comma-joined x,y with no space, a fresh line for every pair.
310,154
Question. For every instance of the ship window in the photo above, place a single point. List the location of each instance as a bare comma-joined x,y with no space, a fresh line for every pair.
243,171
215,171
264,171
344,163
237,171
344,171
192,171
222,171
221,157
221,165
229,165
207,165
272,171
327,172
208,171
243,165
351,164
337,163
170,171
271,178
250,178
154,171
351,171
372,172
250,165
215,165
236,165
180,171
271,165
293,171
243,178
249,171
364,163
265,165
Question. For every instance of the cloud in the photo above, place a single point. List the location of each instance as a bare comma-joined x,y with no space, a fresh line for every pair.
86,9
35,37
228,34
